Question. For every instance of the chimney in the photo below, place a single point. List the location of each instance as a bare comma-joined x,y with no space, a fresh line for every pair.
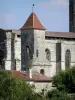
30,73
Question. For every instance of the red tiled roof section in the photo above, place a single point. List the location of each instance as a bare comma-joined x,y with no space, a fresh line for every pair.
35,76
39,77
19,74
60,34
33,23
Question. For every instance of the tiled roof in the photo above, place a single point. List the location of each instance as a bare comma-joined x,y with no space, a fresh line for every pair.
35,76
60,34
32,23
19,74
39,77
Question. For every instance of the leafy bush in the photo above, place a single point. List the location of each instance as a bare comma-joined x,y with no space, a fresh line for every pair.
65,80
57,95
13,89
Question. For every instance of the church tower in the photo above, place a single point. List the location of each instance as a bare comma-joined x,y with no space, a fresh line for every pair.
72,15
32,40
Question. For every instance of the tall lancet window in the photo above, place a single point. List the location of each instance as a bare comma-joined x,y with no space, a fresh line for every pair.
27,50
48,54
67,59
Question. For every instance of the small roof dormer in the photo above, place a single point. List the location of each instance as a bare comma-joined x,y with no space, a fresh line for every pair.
33,23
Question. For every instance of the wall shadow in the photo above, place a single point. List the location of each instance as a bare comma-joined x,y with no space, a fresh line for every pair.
3,50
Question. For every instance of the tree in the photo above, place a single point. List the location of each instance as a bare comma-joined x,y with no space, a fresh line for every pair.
14,89
65,80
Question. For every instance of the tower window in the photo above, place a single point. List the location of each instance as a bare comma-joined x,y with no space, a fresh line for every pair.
27,49
48,54
42,71
18,36
36,53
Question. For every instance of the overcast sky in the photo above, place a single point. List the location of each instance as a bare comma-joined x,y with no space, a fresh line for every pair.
53,14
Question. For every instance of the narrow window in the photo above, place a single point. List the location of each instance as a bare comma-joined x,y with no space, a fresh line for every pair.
27,49
67,59
42,71
58,57
48,54
14,64
36,53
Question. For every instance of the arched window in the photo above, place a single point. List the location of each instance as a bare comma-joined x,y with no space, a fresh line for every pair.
67,58
48,54
42,71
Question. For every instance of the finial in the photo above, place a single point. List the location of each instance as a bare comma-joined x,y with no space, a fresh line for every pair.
33,8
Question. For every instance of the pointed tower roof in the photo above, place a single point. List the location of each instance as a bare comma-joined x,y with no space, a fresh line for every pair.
32,23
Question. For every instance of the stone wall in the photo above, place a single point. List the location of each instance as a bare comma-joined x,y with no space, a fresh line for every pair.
27,47
65,44
17,49
3,50
8,49
53,66
13,48
39,62
40,86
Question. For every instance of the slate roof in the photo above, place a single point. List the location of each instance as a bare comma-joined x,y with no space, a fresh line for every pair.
35,76
60,34
32,23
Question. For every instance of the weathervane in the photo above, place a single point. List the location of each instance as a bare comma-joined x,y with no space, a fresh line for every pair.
33,7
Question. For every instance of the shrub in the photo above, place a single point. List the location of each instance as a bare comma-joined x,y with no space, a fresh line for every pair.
57,95
65,80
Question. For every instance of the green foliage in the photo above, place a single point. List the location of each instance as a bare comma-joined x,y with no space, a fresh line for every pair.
57,95
14,89
37,96
65,80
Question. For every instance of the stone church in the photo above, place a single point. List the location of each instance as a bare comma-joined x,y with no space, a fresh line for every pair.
47,52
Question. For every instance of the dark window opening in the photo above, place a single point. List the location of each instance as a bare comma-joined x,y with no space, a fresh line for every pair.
15,64
27,49
36,53
18,36
48,55
42,71
58,57
67,59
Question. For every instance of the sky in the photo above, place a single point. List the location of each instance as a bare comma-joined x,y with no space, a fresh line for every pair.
53,14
